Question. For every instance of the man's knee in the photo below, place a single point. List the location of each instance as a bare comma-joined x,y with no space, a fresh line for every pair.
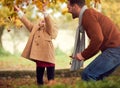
84,76
87,76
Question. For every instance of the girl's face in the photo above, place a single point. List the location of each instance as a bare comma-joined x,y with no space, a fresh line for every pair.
42,23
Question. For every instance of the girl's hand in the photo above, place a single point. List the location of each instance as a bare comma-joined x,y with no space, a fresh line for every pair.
16,8
44,6
44,9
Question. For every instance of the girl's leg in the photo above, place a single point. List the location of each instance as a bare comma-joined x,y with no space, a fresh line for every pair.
39,74
50,73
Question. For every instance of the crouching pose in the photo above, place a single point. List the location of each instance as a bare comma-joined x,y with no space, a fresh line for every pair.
104,36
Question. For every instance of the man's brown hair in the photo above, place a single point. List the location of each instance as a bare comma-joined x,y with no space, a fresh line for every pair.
78,2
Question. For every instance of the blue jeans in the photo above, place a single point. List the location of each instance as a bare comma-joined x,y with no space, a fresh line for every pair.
103,65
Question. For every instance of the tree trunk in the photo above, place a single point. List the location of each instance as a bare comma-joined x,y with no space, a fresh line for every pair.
1,32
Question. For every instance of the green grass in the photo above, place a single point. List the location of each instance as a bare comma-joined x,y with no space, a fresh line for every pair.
3,52
19,63
111,82
16,62
13,62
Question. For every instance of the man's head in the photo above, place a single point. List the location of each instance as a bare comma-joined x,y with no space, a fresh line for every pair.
74,7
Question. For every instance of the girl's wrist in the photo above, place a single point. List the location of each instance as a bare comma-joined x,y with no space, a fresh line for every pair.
20,14
45,14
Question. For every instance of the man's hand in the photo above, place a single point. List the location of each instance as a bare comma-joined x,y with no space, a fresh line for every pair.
79,56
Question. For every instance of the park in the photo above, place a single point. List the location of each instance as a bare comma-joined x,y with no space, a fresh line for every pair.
18,72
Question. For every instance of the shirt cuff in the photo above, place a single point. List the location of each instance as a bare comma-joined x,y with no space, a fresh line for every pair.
45,14
20,14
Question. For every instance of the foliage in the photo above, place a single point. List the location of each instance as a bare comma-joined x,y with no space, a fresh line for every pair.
71,82
3,52
88,2
111,9
11,17
13,62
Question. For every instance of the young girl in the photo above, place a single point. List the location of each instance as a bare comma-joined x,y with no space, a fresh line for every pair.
39,47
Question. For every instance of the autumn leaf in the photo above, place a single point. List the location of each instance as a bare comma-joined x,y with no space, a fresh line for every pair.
9,18
64,11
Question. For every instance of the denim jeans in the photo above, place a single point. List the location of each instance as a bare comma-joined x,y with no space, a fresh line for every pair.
103,65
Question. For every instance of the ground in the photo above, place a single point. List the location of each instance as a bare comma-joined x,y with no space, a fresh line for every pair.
27,79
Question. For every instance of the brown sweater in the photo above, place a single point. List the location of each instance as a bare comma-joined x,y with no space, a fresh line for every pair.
101,31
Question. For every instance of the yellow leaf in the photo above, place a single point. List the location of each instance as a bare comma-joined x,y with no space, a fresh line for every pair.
17,2
88,2
64,11
38,4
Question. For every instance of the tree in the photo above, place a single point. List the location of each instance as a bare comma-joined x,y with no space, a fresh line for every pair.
9,19
111,8
2,21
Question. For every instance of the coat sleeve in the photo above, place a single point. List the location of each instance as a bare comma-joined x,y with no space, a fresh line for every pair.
94,31
51,27
29,25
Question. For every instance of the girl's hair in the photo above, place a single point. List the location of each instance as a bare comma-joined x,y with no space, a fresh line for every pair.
78,2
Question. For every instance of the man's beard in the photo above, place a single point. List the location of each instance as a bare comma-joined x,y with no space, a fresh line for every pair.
74,16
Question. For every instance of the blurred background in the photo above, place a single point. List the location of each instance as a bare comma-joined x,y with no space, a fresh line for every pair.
18,72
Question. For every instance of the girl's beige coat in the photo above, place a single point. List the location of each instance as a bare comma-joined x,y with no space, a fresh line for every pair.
39,45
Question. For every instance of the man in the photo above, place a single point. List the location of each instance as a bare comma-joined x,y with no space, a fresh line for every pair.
104,36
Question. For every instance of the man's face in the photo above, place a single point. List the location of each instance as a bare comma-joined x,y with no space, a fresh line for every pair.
72,10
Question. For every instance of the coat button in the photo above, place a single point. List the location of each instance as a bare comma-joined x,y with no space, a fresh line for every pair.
37,44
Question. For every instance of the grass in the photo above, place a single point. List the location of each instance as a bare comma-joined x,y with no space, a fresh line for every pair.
26,79
64,79
19,63
16,62
12,62
71,82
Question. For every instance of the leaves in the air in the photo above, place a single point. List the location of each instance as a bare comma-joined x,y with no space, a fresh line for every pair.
10,19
